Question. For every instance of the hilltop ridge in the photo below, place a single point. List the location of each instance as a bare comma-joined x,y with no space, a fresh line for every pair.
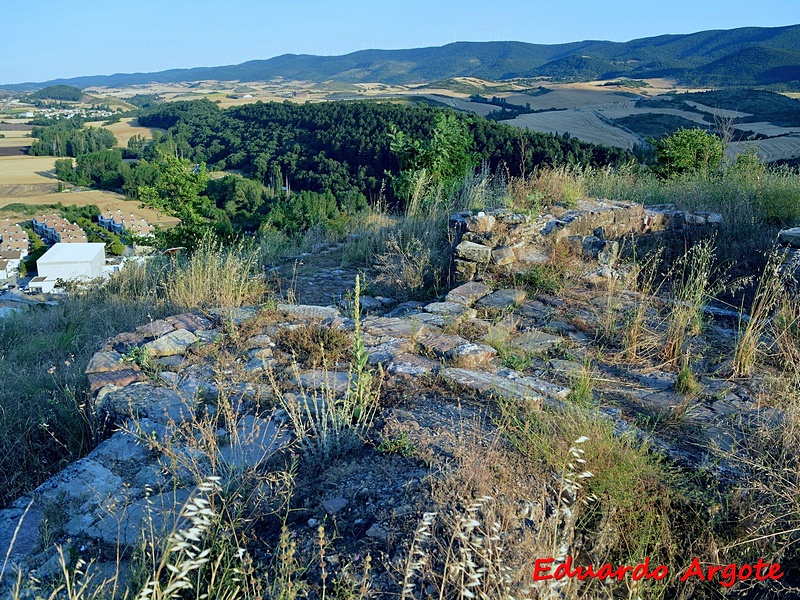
702,58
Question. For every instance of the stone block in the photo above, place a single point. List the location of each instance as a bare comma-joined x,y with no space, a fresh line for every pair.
471,356
490,383
790,237
531,255
474,252
534,340
325,381
143,400
503,256
193,322
412,364
391,327
464,270
468,293
305,310
450,309
115,378
441,345
155,329
103,362
480,223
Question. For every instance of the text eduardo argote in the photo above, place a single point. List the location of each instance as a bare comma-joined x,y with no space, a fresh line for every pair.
726,575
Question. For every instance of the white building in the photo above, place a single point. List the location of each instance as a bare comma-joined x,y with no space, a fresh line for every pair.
42,285
72,261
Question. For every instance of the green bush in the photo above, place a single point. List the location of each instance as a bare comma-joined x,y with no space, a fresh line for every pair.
688,151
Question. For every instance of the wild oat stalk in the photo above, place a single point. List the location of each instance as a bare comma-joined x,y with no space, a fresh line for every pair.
771,285
695,282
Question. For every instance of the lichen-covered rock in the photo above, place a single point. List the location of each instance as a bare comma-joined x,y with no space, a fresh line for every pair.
471,356
480,223
450,309
464,270
102,362
531,341
441,345
155,329
120,378
175,342
307,310
145,400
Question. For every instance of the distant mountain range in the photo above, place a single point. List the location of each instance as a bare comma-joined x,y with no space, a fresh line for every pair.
749,56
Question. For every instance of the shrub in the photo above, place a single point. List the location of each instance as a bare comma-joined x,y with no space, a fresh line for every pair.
688,151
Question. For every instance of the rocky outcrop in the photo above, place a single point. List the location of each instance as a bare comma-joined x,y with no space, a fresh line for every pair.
160,401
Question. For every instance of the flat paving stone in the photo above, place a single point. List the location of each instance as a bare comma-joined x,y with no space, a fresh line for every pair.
502,299
308,310
471,356
533,340
384,353
489,382
121,378
395,327
144,400
254,441
155,329
336,382
192,321
450,309
441,345
413,364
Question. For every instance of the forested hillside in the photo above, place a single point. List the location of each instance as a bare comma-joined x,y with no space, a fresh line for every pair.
344,146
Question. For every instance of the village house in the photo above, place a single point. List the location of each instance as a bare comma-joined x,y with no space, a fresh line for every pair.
13,238
54,229
118,222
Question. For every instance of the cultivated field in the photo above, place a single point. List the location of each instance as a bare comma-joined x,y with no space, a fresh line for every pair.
583,124
126,129
24,170
584,110
30,180
772,149
103,200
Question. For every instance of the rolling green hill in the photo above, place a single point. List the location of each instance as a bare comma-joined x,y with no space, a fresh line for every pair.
736,57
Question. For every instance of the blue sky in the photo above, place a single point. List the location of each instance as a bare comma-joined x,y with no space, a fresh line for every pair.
44,40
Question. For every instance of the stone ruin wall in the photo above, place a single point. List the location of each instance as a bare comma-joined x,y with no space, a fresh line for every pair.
515,242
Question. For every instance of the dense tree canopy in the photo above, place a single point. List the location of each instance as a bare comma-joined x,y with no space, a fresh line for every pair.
68,137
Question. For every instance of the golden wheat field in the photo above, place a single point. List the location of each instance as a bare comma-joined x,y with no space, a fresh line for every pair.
126,129
23,170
